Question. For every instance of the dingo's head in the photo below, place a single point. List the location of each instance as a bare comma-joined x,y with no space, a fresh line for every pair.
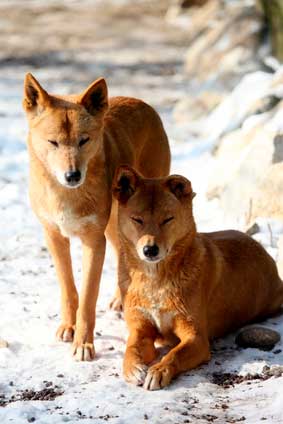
65,131
154,214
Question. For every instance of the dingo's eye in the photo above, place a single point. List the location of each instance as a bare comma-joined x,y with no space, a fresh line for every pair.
137,220
54,143
83,141
167,220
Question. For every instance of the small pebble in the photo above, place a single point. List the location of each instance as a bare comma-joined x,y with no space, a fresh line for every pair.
257,337
277,351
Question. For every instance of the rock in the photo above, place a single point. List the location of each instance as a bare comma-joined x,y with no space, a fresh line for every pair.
222,38
239,105
248,154
267,201
262,105
251,186
257,337
196,107
223,48
3,343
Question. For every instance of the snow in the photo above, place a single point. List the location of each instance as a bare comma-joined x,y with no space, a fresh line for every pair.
29,293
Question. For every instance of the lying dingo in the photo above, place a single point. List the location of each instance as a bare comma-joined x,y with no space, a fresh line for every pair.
177,282
75,144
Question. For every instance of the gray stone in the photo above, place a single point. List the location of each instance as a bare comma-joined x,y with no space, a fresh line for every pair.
257,337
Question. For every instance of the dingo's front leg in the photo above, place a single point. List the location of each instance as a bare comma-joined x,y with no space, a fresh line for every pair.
192,350
59,248
93,243
140,350
123,284
111,233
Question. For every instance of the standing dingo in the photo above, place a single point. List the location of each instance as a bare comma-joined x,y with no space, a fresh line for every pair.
75,144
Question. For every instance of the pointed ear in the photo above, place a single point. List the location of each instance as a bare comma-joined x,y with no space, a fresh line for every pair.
95,97
125,183
180,187
35,97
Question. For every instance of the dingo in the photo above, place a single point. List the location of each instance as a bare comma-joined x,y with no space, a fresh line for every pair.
75,144
192,286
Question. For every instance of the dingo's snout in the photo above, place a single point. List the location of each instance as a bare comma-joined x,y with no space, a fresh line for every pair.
73,177
149,249
151,252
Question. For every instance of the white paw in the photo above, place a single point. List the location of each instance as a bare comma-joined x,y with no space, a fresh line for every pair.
65,333
83,352
158,376
136,374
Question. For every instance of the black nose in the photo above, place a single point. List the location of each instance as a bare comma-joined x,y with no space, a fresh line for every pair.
72,176
151,251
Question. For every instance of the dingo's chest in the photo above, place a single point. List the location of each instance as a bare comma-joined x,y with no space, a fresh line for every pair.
155,305
162,319
68,222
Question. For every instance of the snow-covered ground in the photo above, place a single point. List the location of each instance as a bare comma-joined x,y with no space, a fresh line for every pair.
29,293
